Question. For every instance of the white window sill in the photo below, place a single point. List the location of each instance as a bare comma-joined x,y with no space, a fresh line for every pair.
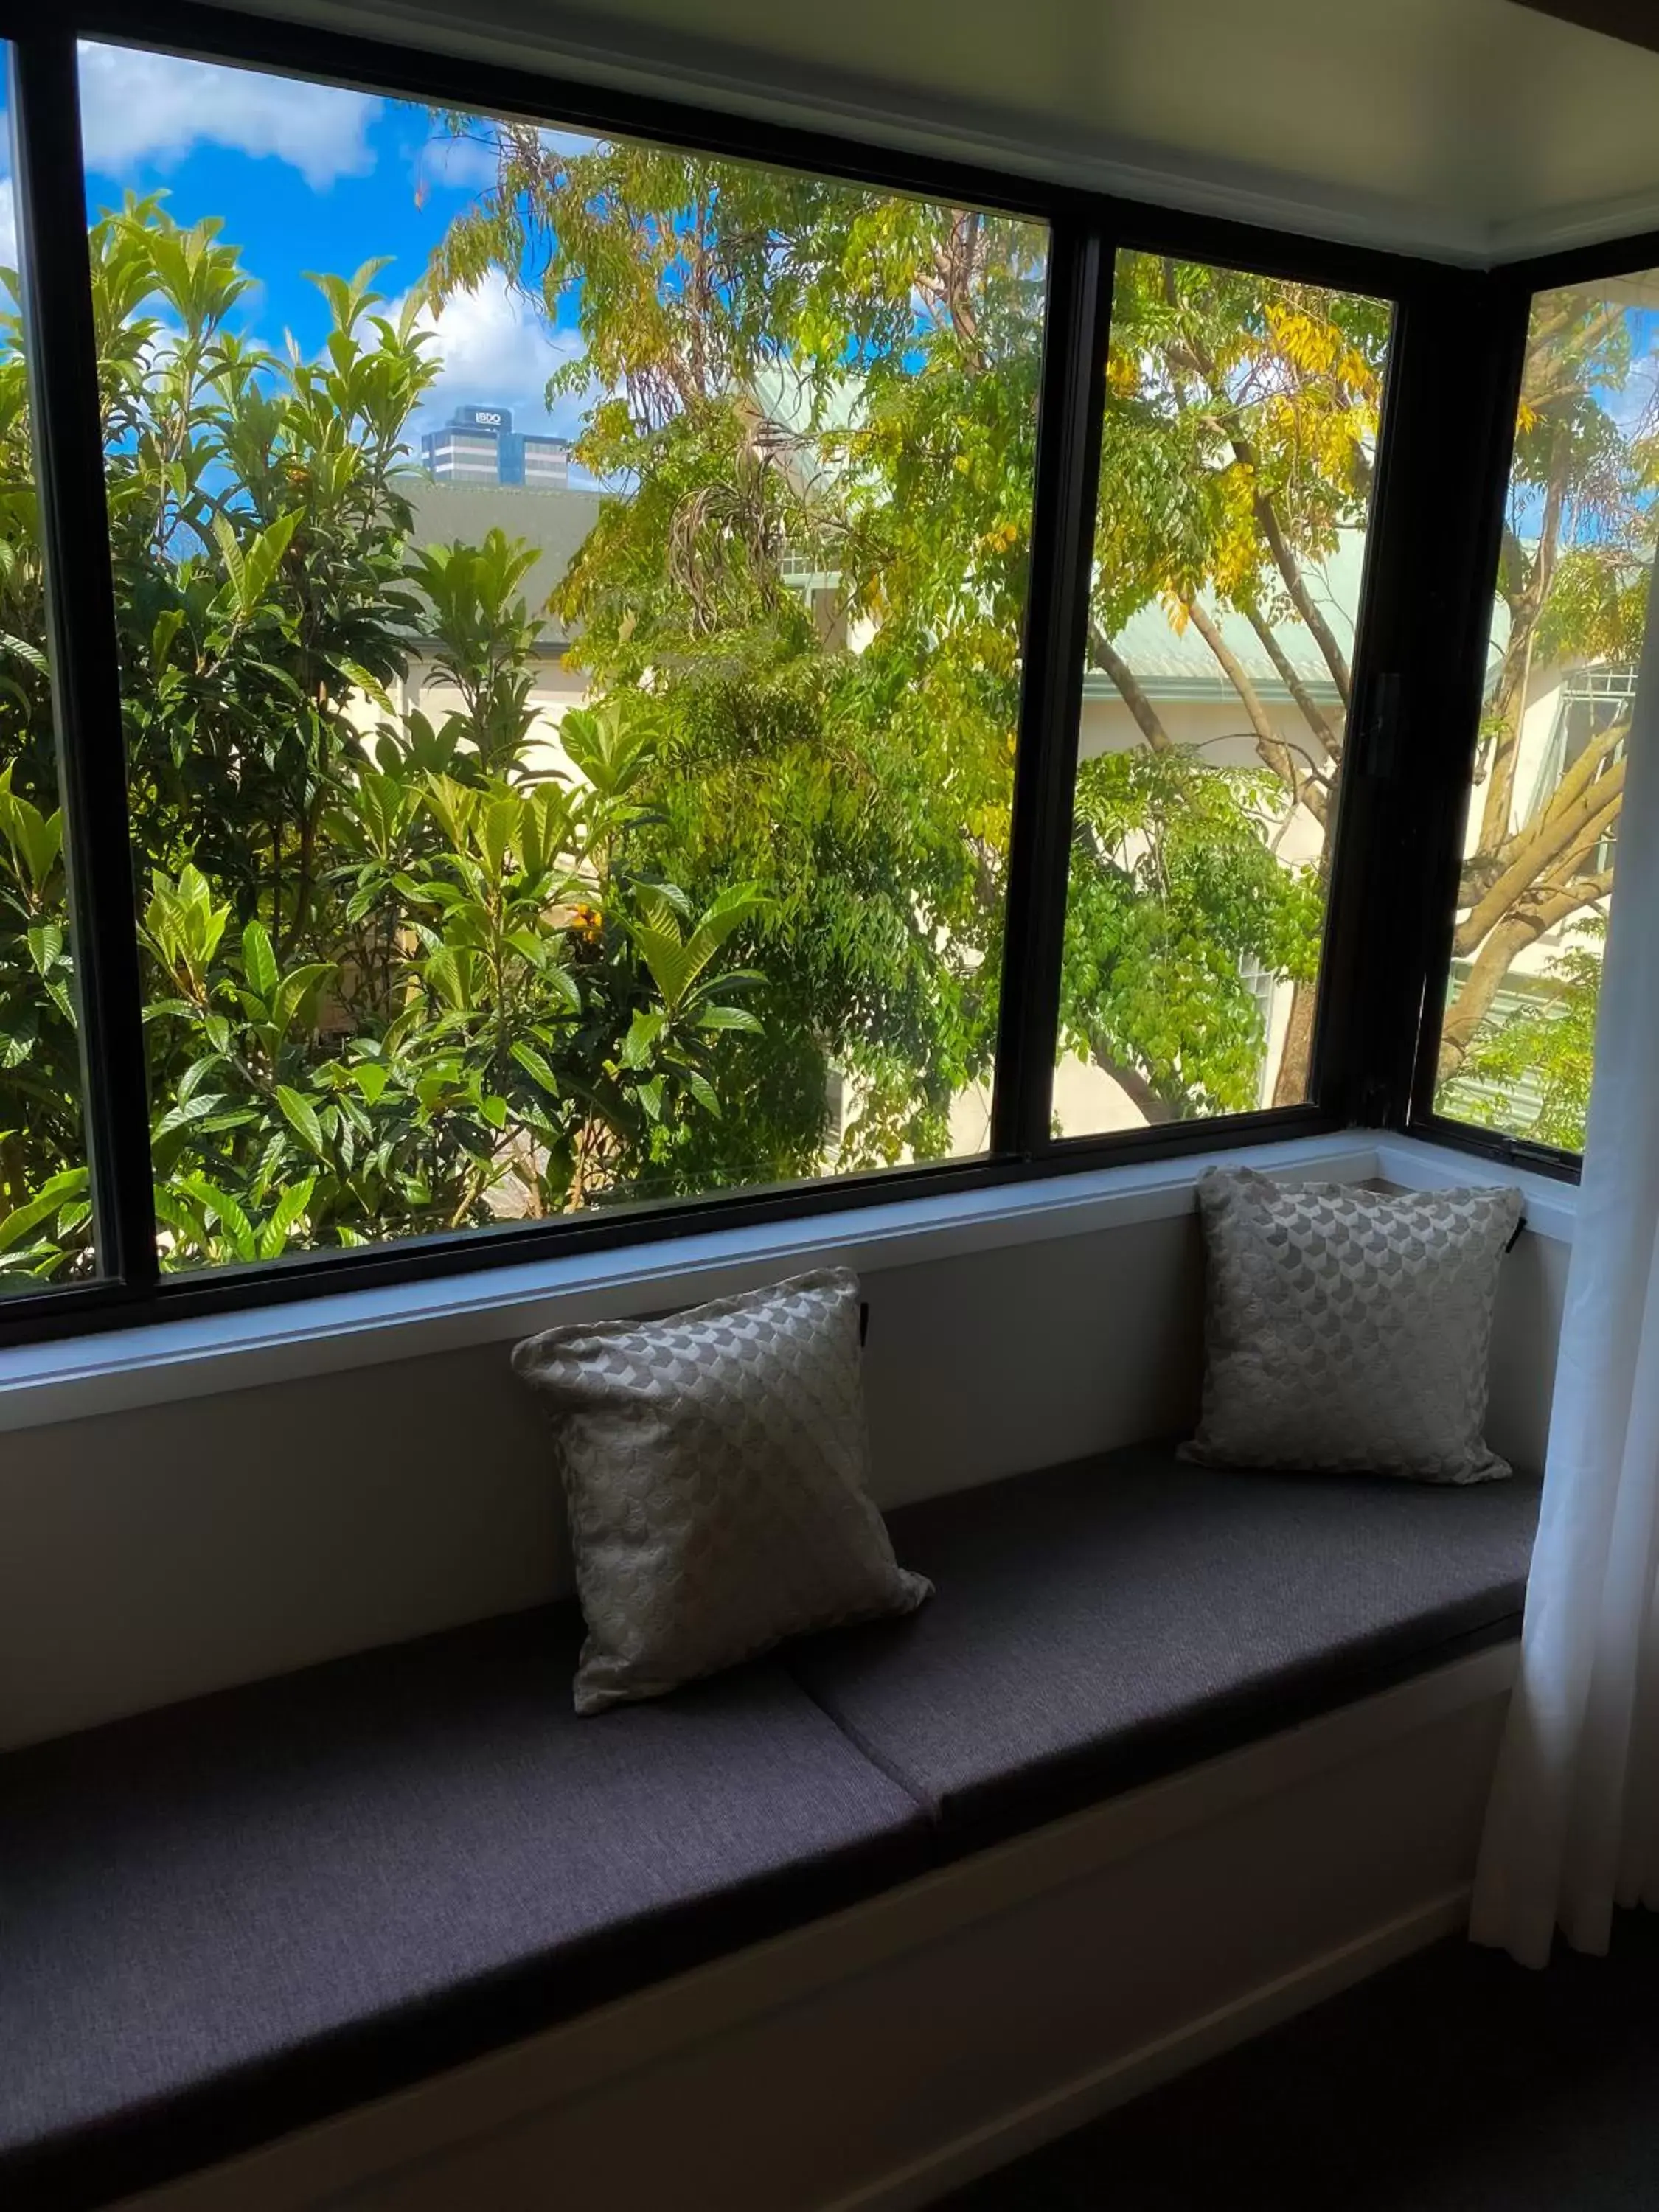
116,1371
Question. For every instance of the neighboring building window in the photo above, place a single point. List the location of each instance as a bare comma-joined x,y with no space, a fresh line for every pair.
570,624
1236,476
1541,839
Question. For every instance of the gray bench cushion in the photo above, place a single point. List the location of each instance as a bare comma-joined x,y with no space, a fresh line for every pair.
226,1918
223,1920
1100,1624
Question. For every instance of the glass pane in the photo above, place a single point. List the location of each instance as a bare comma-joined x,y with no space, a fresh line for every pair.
45,1197
1237,454
1568,613
570,596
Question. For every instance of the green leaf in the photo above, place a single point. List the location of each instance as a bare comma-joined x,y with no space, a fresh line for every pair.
536,1067
301,1115
72,1183
285,1216
259,960
449,971
642,1034
296,999
187,1113
498,832
228,1213
46,943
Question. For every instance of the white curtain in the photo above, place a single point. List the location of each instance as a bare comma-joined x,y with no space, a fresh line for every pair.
1573,1823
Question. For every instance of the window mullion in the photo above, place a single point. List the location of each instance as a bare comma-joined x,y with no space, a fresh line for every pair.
68,439
1056,624
1497,354
1418,675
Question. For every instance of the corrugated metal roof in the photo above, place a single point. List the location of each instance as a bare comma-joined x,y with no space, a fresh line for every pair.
1174,665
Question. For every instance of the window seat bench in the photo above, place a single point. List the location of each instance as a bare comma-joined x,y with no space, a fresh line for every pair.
223,1920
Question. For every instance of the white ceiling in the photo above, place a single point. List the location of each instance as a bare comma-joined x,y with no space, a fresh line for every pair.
1473,129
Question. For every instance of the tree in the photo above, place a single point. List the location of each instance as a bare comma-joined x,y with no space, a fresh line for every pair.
1529,1071
399,976
1242,418
787,366
1572,581
800,377
405,972
1238,447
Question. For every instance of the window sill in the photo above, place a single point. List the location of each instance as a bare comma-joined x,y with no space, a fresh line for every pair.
79,1376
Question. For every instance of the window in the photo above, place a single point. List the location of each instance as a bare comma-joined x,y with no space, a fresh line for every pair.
570,594
1541,837
573,684
1237,459
46,1223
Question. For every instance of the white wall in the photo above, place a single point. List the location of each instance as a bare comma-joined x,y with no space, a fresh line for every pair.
150,1554
178,1547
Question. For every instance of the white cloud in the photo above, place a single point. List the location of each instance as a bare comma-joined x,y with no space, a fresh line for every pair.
497,350
568,141
470,162
156,108
8,226
461,165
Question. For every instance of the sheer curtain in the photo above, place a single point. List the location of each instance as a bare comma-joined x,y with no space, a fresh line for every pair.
1573,1823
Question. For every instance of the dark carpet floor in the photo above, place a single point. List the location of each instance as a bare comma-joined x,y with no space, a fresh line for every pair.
1456,2082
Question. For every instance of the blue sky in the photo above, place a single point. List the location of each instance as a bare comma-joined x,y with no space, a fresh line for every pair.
310,177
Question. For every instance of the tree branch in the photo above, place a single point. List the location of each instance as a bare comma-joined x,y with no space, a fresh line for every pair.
1312,714
1537,840
1268,743
1556,901
1112,663
1301,597
1515,673
1134,1084
1577,827
1291,1084
1267,517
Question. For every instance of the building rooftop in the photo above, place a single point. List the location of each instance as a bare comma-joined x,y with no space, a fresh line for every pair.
1180,666
554,521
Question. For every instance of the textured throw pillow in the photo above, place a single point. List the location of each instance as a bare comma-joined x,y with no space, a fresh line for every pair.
716,1467
1348,1329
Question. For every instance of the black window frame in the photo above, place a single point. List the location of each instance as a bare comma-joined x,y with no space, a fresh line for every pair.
1421,636
1516,285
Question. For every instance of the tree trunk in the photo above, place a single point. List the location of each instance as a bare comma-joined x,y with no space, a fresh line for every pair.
1268,522
1579,826
1290,1083
1311,712
1553,902
1112,663
1301,597
1516,675
1274,752
1129,1080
